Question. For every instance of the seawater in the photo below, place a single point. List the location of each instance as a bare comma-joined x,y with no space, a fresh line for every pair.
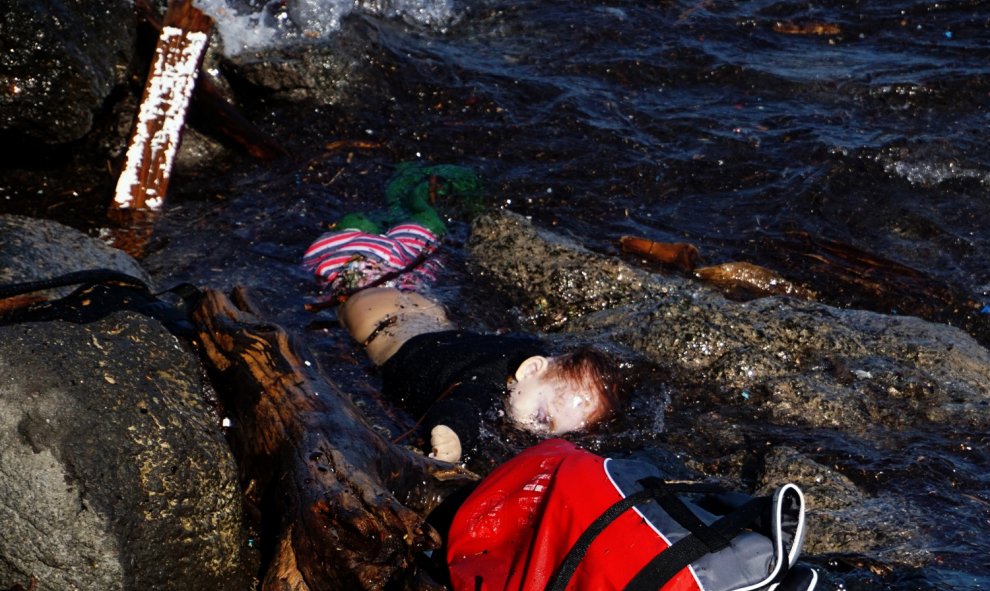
708,121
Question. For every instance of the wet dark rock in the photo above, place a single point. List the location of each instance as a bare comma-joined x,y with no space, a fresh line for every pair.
841,518
113,471
746,369
61,59
818,365
824,488
295,73
559,283
33,249
331,73
114,475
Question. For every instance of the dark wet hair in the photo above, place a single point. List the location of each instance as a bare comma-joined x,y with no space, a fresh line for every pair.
588,365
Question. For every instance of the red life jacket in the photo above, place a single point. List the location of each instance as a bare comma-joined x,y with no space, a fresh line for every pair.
516,529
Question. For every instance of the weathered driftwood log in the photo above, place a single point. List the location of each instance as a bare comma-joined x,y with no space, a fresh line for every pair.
856,278
349,505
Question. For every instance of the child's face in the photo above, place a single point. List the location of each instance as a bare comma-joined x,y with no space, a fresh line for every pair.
551,405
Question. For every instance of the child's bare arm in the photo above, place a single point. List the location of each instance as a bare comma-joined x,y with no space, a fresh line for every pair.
445,444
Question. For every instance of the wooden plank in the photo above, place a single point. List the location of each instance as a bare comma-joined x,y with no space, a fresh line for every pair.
143,182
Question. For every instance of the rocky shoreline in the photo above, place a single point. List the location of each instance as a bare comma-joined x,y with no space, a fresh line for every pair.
114,469
77,395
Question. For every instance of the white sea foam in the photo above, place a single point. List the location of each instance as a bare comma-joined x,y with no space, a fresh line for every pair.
933,173
244,26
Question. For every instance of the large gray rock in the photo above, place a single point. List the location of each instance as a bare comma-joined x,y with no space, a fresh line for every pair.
114,473
33,249
333,72
61,59
841,518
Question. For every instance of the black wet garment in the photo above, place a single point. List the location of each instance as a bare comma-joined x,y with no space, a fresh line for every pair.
455,378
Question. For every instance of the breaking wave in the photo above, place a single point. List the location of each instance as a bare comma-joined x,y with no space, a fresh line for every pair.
246,26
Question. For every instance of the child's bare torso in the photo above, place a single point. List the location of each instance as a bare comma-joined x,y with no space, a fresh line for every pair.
383,319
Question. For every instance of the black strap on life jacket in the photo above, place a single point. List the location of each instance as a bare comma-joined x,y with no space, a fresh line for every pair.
702,539
100,292
690,548
654,489
87,277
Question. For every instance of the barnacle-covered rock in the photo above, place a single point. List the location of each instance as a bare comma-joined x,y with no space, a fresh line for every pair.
813,364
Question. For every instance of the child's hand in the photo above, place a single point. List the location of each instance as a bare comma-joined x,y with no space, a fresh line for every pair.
445,443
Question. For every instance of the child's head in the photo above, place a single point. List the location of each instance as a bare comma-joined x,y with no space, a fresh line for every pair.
565,393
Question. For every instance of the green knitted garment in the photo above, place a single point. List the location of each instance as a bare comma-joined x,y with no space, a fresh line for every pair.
414,194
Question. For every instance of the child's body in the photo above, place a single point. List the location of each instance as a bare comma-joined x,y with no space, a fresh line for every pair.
456,378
